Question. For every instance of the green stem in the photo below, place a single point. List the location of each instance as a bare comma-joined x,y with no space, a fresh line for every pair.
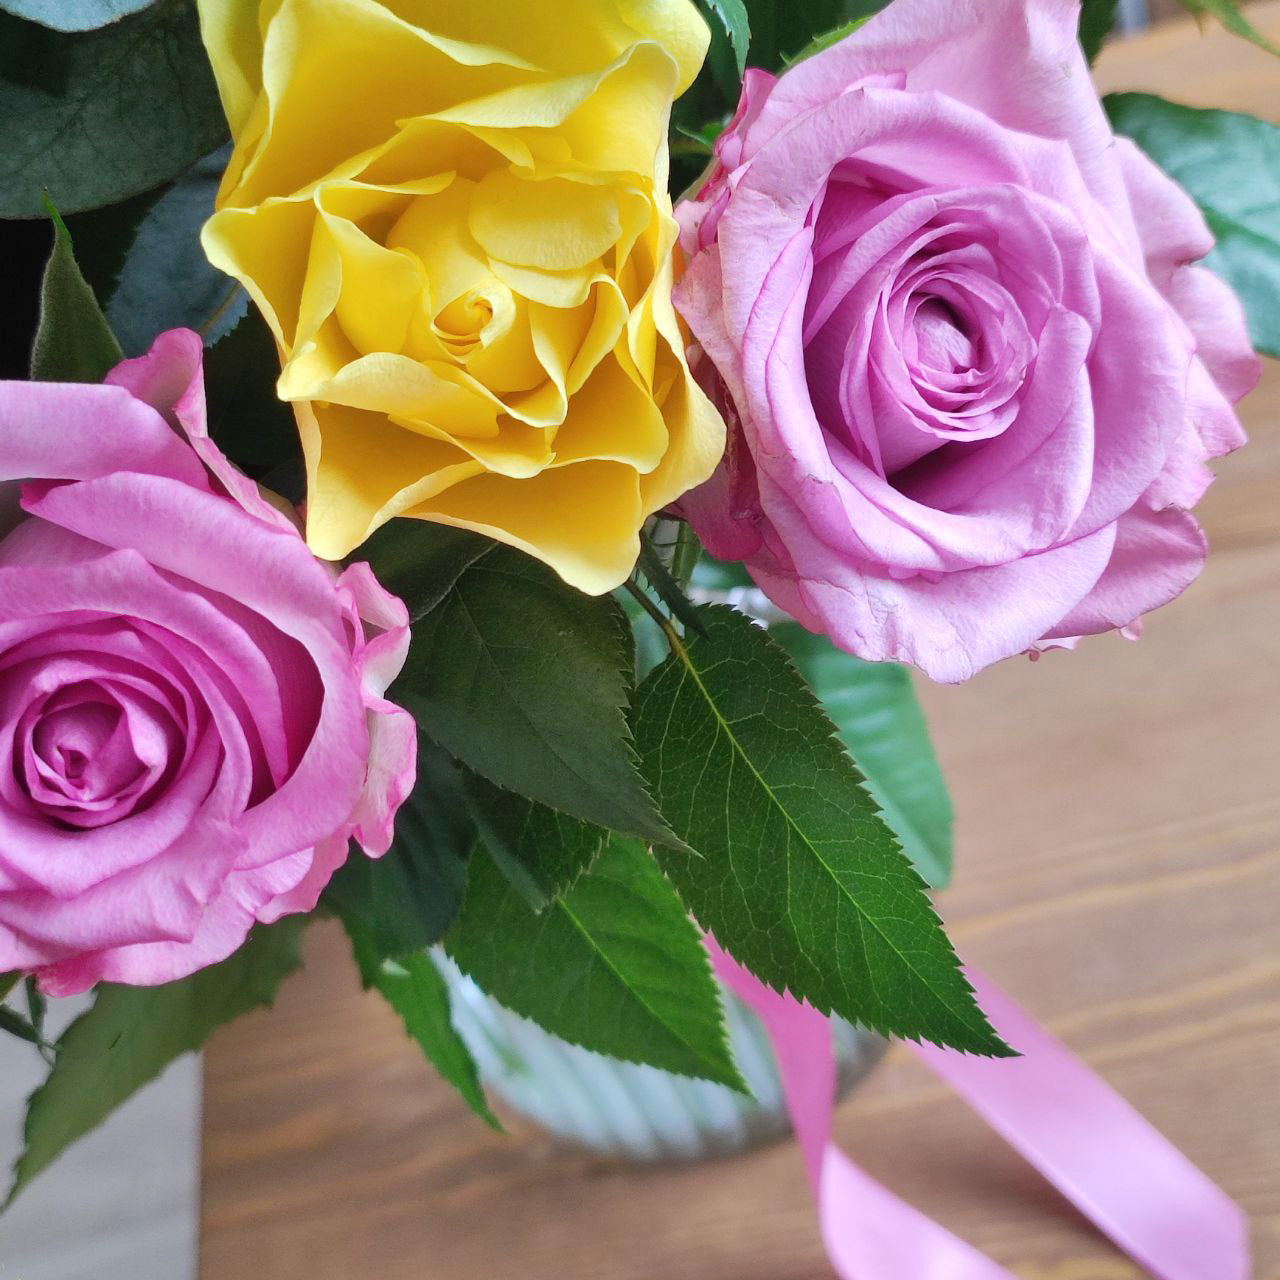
642,599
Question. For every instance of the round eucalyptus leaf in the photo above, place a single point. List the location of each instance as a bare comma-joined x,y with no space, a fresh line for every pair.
74,15
97,116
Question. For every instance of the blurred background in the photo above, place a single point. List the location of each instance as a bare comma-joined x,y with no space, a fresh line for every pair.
1126,894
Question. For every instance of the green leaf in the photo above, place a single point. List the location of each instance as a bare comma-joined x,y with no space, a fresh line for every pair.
16,1025
420,561
404,901
7,983
614,965
780,29
132,1033
73,341
413,987
37,1005
703,138
826,39
880,722
668,590
166,282
539,850
1228,13
795,872
1097,21
1230,165
526,681
737,26
100,115
73,15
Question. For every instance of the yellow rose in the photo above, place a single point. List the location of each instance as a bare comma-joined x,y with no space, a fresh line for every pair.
453,214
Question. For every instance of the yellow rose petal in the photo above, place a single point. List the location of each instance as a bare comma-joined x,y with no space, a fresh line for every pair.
356,468
454,217
582,520
555,224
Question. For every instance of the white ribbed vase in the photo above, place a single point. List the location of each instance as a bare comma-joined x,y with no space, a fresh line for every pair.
632,1111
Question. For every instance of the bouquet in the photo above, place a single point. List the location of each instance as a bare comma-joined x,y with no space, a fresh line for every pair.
485,473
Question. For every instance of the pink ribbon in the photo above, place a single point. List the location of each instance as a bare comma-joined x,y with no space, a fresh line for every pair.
1119,1171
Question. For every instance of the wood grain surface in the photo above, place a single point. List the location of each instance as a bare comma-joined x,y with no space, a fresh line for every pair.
1118,872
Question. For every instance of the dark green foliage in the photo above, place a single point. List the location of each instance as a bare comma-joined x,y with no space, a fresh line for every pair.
97,116
614,964
794,870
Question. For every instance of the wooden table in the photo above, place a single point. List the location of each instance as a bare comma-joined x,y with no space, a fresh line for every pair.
1118,872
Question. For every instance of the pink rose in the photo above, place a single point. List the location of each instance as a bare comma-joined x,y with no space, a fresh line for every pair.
971,374
191,717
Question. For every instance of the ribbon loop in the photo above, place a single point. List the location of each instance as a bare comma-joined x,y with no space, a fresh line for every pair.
1087,1141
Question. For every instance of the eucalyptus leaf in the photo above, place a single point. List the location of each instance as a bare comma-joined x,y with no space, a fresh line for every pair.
794,870
73,341
414,988
1229,164
403,902
614,964
526,681
95,116
73,15
166,282
132,1033
880,721
539,850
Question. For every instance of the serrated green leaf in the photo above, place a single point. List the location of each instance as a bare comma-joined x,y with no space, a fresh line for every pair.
73,15
1230,166
826,39
526,681
795,872
404,901
73,341
780,29
664,584
420,561
1228,13
876,713
96,116
166,282
540,851
132,1033
414,988
614,965
1097,21
732,15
